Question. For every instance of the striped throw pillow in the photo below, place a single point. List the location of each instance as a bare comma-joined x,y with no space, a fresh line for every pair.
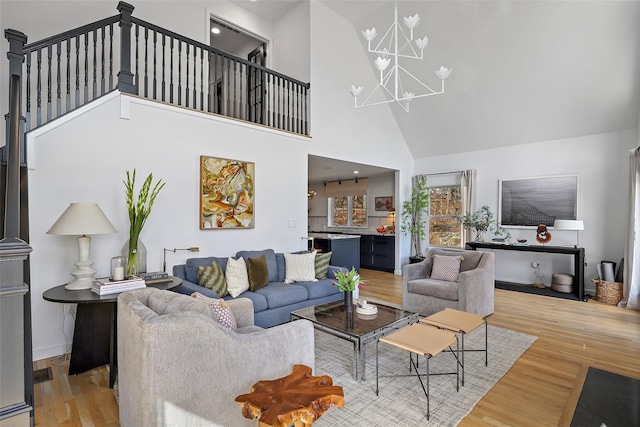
446,268
322,264
212,277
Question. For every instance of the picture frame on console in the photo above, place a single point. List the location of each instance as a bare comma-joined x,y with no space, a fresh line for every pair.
529,202
227,193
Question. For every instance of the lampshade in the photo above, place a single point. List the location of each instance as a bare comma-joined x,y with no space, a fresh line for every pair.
568,224
81,219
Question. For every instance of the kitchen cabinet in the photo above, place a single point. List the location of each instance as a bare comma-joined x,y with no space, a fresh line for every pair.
377,252
345,249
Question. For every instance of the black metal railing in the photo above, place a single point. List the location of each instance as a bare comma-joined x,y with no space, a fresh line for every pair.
66,71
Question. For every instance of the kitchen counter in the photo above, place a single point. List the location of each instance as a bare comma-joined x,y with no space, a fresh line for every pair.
333,236
324,234
344,248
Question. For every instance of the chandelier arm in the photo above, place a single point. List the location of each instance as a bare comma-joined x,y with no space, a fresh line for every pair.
408,42
416,79
377,48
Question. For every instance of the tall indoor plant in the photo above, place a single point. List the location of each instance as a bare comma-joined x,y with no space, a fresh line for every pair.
413,222
139,211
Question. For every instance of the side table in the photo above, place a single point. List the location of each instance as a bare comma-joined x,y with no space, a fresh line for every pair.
95,331
298,399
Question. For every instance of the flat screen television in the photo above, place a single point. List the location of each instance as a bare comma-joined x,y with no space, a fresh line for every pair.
529,202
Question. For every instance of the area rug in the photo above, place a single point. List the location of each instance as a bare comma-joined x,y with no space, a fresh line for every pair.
401,401
607,399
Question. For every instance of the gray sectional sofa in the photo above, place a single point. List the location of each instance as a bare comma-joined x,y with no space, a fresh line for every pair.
273,304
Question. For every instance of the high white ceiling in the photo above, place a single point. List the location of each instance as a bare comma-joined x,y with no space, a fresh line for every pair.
523,71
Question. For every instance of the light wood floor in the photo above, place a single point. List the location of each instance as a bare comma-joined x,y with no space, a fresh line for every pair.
541,389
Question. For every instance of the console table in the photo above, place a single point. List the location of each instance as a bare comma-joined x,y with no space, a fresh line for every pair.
576,252
95,331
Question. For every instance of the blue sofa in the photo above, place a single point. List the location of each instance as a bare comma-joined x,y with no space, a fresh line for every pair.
272,304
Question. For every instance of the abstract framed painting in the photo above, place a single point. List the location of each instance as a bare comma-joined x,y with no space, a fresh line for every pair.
529,202
227,193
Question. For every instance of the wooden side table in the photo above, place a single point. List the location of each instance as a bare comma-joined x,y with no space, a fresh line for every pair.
95,331
460,322
298,399
422,340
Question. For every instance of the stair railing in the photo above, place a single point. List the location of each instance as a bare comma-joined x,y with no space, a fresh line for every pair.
68,70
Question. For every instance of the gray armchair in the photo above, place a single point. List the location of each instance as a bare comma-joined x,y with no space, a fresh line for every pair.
473,292
179,367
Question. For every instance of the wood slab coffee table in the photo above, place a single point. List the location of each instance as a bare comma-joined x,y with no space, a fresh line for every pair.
298,399
333,319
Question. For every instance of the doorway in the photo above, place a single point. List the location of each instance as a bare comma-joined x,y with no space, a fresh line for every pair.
235,88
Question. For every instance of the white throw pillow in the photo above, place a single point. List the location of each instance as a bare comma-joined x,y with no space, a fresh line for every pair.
236,275
300,267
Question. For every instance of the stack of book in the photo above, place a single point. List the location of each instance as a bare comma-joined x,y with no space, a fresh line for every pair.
106,286
156,277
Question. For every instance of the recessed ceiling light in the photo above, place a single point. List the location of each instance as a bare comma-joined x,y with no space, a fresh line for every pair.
215,30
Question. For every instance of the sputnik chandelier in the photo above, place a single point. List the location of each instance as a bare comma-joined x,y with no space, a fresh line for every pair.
395,44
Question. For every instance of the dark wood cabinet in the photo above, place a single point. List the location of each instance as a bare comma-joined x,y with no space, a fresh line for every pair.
345,251
377,252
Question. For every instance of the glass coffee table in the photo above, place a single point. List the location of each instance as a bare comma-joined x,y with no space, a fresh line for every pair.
357,328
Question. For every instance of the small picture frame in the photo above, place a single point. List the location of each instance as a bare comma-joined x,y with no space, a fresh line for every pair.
383,203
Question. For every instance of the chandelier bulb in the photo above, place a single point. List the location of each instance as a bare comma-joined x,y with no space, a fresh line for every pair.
422,43
443,72
355,91
412,21
369,35
382,63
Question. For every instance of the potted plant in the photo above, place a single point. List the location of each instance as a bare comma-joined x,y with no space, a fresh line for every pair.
480,222
413,222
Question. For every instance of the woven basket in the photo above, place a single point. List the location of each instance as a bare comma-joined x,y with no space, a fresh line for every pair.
608,292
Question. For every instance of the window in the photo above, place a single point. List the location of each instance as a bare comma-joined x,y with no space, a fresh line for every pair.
348,211
444,203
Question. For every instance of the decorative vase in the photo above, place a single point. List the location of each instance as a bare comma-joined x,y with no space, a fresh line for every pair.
136,254
479,235
348,301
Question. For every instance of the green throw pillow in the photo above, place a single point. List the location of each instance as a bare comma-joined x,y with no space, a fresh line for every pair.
212,277
258,272
322,264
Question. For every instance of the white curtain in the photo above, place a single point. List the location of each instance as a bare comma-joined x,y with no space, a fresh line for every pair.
632,248
468,190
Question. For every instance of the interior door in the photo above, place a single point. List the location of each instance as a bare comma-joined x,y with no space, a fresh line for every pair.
256,85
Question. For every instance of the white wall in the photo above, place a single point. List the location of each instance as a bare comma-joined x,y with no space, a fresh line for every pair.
368,135
84,159
291,43
600,161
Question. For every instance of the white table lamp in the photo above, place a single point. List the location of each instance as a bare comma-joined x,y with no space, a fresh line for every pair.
81,219
570,224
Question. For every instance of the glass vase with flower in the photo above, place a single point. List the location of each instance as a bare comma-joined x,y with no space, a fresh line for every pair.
139,211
